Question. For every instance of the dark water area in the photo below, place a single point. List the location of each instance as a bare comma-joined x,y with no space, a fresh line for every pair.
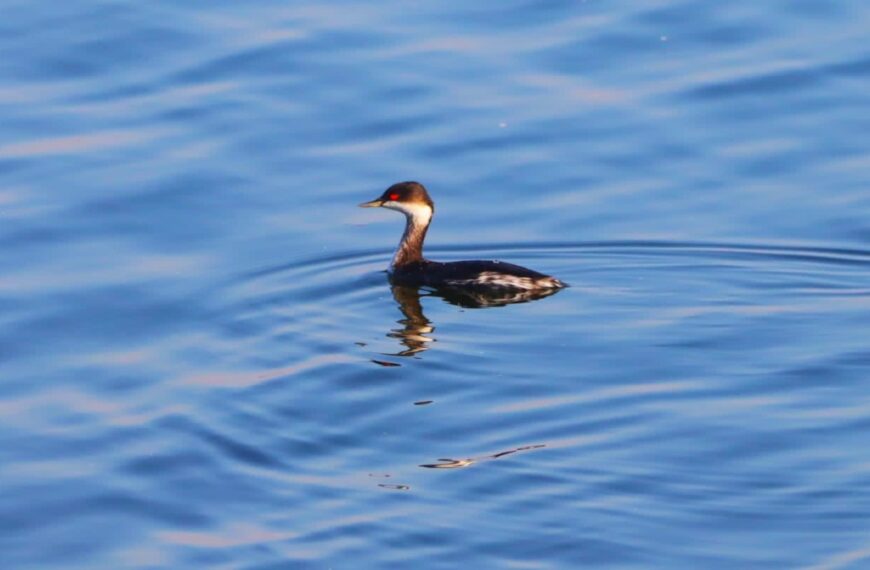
203,364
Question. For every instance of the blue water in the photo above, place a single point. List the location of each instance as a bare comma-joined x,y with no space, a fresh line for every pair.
203,365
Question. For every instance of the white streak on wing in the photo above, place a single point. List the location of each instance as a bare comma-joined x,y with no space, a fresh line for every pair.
506,281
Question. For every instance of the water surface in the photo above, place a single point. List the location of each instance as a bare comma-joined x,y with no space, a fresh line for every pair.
204,365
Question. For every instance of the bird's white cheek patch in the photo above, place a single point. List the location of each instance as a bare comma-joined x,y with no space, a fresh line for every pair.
418,213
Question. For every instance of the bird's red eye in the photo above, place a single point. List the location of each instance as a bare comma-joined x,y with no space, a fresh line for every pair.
394,196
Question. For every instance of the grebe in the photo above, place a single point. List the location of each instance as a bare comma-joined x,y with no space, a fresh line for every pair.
409,267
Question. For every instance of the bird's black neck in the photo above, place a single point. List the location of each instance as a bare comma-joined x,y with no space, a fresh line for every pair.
410,249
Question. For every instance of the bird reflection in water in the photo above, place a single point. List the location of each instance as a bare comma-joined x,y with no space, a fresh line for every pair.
415,325
415,333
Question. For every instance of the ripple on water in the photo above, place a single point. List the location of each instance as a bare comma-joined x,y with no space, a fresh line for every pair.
455,359
712,376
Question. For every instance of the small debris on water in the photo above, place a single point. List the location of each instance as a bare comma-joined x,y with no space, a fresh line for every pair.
459,463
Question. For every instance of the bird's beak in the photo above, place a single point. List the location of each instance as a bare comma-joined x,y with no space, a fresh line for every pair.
372,204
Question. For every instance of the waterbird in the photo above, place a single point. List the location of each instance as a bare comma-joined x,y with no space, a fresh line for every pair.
409,267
